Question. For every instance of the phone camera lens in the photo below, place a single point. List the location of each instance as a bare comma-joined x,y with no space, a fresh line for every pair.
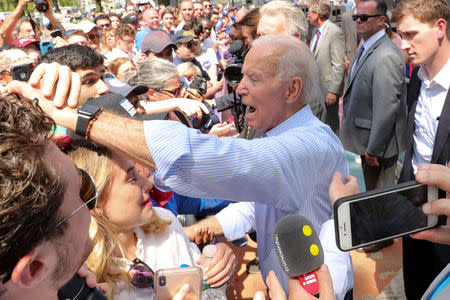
162,280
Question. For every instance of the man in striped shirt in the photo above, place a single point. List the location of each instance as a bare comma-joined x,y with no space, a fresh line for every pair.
288,171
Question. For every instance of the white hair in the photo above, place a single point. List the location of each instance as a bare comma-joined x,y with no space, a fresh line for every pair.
295,18
154,73
296,60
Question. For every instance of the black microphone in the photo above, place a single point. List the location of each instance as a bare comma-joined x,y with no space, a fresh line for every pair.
299,250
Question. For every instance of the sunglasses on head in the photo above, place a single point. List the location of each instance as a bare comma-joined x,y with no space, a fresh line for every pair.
88,194
140,274
363,17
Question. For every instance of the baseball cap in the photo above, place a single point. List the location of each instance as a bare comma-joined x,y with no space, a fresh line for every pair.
86,26
119,87
156,41
23,42
128,19
182,36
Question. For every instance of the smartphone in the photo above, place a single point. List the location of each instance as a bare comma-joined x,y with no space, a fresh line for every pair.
383,214
169,281
21,72
46,46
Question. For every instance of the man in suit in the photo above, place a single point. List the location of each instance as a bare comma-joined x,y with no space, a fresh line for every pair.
374,119
425,31
327,45
351,38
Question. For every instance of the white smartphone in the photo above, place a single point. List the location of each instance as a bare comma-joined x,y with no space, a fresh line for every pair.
367,218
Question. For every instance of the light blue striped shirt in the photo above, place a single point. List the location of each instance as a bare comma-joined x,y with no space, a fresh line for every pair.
288,171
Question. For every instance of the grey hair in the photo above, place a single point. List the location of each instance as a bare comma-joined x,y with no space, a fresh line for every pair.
296,19
154,73
295,60
322,7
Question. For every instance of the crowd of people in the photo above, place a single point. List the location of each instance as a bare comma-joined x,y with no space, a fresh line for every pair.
114,124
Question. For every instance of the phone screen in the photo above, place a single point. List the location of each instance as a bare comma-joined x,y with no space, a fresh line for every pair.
387,215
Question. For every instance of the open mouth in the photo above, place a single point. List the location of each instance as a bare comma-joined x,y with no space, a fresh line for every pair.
147,202
251,109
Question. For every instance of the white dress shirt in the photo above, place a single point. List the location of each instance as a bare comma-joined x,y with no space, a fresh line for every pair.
428,110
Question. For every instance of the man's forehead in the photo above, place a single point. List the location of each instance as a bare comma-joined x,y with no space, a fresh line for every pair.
100,70
262,57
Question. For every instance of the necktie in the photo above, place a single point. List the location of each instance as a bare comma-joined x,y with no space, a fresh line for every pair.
317,40
356,59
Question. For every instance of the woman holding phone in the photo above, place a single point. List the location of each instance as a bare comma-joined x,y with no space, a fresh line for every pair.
131,238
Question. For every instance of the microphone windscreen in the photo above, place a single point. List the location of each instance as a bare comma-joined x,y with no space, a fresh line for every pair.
297,245
236,47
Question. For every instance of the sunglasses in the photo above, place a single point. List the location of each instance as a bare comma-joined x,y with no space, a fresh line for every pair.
363,17
105,25
93,36
191,43
174,92
140,274
88,194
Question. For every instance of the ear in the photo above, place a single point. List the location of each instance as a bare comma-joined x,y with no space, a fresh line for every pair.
294,90
150,94
33,268
298,35
441,25
3,80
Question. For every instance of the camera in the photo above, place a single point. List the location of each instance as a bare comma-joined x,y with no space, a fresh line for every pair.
233,71
21,72
41,5
199,84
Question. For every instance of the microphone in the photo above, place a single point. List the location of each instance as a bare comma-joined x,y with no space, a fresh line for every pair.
299,250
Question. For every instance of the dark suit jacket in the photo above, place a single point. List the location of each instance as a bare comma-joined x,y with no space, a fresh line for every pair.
374,118
422,260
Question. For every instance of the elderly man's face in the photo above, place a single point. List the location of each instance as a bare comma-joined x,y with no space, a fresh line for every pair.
261,90
272,25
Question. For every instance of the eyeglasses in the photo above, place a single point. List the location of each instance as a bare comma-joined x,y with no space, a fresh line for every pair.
174,92
141,275
88,194
107,25
363,17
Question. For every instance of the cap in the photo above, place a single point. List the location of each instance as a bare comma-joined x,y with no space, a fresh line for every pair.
156,41
23,42
128,19
86,26
117,104
182,36
119,87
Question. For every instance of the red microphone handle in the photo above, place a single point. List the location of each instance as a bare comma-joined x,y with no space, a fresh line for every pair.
310,282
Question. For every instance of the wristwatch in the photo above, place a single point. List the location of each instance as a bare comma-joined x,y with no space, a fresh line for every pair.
85,114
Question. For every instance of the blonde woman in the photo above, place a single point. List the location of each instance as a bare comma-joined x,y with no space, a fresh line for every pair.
132,239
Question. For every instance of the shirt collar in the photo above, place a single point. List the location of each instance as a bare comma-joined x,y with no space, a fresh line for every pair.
303,116
441,78
369,43
321,28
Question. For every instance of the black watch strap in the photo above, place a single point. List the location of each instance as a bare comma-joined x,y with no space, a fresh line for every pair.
85,114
